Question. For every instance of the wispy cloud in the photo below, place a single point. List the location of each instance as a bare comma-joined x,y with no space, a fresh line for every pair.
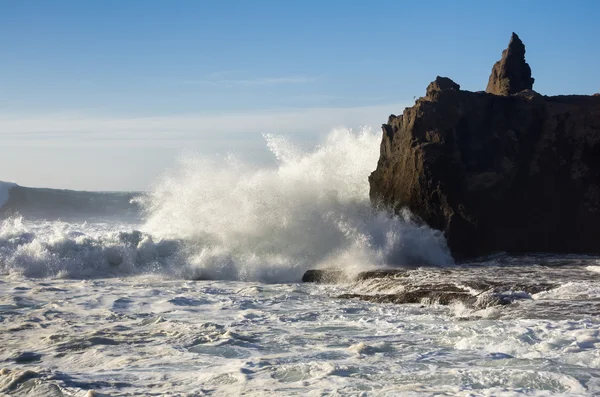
88,151
90,130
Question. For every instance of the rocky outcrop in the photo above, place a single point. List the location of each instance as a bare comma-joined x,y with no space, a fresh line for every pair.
473,286
515,173
511,74
339,276
324,276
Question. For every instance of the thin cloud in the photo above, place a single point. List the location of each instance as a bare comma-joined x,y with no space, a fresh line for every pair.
90,130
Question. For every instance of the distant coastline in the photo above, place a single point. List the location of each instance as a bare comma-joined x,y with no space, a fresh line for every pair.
50,203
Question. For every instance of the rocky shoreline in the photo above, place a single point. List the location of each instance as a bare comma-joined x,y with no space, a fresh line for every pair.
475,285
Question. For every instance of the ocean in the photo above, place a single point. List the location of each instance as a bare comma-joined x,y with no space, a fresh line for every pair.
194,288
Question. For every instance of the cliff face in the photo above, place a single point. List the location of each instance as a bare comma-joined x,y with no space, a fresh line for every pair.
515,173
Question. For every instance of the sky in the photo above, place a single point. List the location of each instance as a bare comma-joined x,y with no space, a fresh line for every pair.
105,94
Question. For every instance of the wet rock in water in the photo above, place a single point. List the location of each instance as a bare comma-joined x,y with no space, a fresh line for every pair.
337,275
382,273
507,170
417,296
475,287
440,297
324,276
489,285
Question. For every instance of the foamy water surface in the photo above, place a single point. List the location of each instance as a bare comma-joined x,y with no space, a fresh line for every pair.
201,294
149,336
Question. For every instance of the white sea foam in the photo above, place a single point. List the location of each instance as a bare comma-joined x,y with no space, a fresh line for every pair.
593,268
151,336
81,250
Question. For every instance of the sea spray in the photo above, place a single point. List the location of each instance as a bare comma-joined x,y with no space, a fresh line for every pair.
231,220
312,209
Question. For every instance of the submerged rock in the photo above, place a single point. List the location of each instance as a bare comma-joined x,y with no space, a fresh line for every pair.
496,172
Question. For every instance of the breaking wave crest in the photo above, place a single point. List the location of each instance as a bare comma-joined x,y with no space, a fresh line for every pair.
231,220
80,250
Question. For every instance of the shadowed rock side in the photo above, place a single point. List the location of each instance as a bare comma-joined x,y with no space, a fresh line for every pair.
511,74
517,173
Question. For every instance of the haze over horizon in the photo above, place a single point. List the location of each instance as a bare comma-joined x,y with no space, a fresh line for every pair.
104,95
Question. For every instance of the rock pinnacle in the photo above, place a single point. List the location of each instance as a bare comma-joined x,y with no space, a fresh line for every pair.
511,74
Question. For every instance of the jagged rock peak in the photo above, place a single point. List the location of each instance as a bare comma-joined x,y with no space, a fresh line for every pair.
441,84
511,74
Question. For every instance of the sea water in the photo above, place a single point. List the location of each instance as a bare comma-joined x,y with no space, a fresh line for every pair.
201,295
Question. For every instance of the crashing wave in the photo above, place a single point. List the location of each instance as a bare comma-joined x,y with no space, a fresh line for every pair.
235,221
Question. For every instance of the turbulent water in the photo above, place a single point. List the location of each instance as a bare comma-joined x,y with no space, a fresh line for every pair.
194,289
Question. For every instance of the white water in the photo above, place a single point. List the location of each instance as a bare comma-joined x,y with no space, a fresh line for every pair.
232,221
143,336
98,308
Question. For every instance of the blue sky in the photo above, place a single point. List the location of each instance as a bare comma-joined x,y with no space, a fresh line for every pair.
136,82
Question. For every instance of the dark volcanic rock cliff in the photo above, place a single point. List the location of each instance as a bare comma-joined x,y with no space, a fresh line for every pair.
514,173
